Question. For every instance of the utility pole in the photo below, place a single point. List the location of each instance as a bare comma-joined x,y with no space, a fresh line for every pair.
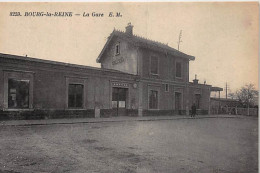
179,42
226,90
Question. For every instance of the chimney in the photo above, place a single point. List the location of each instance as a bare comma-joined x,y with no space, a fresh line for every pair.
195,81
129,29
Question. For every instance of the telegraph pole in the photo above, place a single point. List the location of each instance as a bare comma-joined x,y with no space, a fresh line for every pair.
179,42
226,90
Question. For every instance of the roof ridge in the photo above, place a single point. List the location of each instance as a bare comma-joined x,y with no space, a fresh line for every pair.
145,38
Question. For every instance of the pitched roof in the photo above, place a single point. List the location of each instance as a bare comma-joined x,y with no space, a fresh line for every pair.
144,42
37,60
224,99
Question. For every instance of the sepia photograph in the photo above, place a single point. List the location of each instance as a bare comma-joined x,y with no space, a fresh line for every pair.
129,87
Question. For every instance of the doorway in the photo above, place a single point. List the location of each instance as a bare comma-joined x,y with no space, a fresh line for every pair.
178,102
119,100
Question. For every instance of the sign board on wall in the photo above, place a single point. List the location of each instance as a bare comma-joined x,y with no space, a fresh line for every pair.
118,60
119,84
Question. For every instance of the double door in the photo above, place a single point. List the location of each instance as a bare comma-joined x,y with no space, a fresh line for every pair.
119,101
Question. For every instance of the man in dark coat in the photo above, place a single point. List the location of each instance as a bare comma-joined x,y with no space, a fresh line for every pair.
193,110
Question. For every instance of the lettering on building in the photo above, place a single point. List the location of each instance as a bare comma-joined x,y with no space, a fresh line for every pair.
118,60
120,84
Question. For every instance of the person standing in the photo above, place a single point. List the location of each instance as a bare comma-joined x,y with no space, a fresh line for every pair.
193,110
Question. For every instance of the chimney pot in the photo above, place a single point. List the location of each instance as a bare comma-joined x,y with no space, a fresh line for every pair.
129,29
195,81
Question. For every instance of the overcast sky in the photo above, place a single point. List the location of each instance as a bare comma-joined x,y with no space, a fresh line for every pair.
222,36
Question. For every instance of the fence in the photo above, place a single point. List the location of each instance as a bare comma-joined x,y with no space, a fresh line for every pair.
244,111
235,111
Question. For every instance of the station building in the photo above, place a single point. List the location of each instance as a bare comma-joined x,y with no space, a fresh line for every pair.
138,77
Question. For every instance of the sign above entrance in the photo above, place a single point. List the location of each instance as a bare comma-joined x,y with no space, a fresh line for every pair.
120,84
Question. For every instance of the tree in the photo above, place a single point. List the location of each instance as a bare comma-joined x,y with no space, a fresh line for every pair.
246,95
232,95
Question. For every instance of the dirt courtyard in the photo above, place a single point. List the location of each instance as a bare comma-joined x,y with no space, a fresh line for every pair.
217,145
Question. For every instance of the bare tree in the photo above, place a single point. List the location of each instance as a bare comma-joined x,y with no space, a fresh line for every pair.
246,95
232,95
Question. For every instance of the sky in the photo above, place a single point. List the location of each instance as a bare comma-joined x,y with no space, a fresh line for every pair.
223,36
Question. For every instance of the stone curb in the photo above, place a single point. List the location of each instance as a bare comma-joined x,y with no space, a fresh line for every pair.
108,120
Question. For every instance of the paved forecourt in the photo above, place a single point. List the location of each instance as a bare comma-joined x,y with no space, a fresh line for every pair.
153,144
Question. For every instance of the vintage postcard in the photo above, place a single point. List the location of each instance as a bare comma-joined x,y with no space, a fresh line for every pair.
129,87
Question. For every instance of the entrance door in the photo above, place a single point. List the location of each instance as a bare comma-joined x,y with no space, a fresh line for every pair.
119,96
178,102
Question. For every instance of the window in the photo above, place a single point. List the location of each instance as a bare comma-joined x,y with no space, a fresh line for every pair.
117,48
154,65
153,99
197,100
18,93
75,96
166,87
178,69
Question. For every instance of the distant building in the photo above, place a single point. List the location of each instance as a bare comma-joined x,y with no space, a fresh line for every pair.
138,77
223,105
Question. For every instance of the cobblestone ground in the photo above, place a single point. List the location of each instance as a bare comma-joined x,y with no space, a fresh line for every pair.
184,145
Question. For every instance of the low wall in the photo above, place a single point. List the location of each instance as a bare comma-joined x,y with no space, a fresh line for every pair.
163,112
90,113
46,114
201,112
105,113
